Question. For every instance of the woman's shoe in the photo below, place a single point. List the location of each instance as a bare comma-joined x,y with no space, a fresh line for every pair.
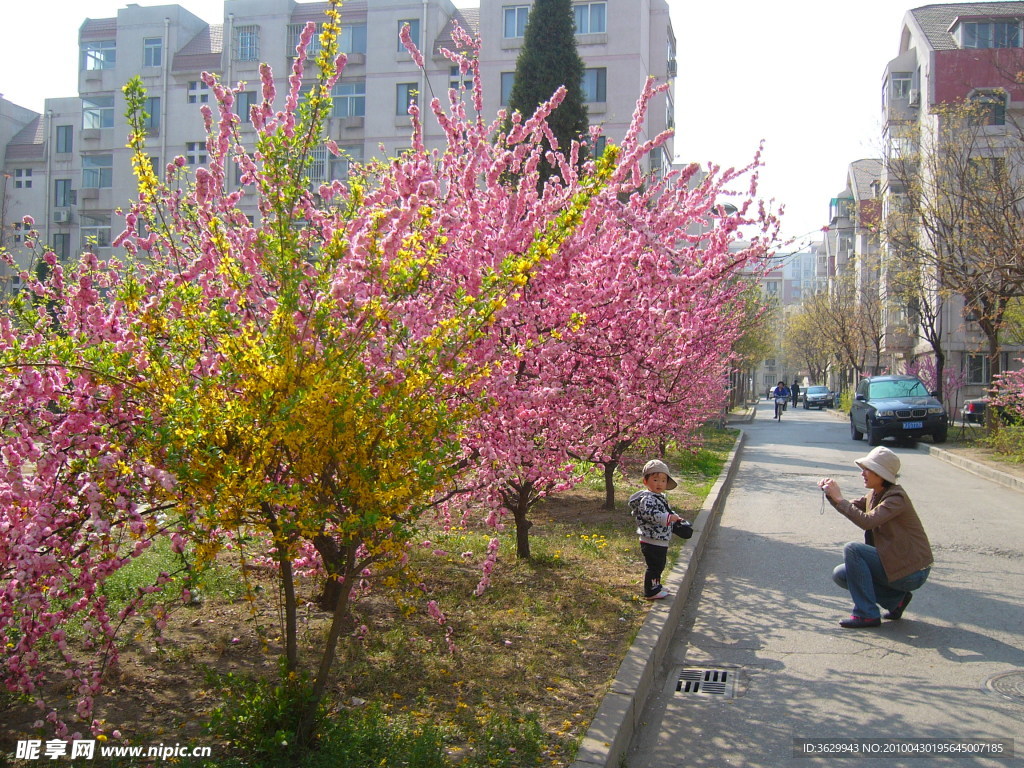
859,622
897,612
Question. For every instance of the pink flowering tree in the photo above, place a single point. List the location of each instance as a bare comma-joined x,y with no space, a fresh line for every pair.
948,381
636,311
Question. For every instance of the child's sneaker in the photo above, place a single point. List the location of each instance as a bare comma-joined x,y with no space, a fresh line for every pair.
662,594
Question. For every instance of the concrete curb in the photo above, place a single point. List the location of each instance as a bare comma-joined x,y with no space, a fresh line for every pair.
1004,479
618,717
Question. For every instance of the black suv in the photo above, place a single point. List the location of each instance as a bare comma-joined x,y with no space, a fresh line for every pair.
896,406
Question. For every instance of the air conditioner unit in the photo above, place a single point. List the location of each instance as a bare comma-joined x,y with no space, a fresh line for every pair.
915,97
62,215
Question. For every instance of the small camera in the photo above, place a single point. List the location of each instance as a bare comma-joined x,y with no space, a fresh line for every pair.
682,529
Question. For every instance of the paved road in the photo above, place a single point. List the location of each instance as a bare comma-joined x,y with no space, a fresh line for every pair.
764,609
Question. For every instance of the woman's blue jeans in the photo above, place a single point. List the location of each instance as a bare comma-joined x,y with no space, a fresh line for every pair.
862,573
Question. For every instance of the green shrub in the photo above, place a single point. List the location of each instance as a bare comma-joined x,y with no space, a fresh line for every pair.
846,400
1008,441
259,717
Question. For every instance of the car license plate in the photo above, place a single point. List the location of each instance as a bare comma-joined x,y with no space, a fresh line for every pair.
913,424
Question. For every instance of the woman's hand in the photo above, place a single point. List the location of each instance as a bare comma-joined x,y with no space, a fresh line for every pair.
830,488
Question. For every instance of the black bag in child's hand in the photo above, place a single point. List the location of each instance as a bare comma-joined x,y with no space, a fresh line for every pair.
682,529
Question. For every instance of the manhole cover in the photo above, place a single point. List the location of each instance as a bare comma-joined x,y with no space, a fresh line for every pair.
1008,684
707,681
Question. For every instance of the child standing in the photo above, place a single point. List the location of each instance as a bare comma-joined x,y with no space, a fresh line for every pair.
654,520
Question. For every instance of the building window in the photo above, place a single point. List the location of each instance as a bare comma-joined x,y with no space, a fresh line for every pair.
989,108
295,34
900,84
901,147
349,99
98,112
95,231
341,166
990,34
353,38
595,85
244,102
97,171
591,18
978,369
405,93
198,92
508,79
62,193
195,152
316,169
152,123
23,178
61,244
414,33
458,80
247,43
515,20
98,54
65,138
152,51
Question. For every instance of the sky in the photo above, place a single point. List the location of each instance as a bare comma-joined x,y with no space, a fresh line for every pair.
804,76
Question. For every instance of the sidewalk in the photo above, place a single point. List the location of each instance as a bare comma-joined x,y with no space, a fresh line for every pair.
618,717
754,632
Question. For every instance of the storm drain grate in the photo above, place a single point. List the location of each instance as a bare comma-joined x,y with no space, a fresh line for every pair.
707,681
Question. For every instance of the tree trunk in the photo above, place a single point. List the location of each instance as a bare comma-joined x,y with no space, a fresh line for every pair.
339,562
609,484
940,373
291,625
523,525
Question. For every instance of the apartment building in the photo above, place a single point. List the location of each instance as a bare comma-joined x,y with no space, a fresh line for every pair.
69,167
951,53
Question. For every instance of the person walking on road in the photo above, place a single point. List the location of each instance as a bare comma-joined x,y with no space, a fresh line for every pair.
896,557
796,392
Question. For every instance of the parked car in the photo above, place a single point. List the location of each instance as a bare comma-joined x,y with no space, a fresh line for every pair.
818,397
896,406
974,410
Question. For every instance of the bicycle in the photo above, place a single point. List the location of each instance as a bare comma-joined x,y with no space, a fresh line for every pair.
780,406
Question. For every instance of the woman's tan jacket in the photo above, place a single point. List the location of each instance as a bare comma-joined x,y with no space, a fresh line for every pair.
896,530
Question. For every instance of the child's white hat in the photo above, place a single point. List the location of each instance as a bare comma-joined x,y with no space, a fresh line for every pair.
656,465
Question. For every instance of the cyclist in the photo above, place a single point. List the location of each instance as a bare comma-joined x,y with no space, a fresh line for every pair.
781,398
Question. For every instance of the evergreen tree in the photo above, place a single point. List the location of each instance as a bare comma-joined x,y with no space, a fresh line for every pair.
547,60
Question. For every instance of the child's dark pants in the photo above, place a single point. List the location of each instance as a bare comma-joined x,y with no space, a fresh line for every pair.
655,558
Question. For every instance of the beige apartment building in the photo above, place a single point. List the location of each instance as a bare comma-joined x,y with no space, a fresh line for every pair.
70,170
949,53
